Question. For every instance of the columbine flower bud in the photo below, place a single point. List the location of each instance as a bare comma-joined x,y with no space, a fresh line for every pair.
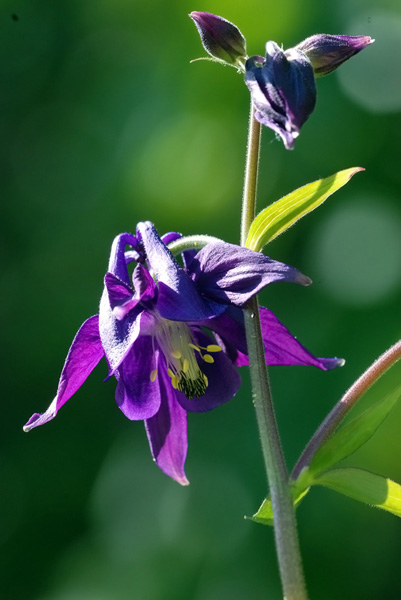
220,38
327,52
283,90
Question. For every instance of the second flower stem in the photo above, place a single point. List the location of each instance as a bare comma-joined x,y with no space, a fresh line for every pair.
250,176
350,398
289,558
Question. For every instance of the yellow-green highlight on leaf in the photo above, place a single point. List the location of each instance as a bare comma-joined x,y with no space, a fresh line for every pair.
366,487
346,440
279,216
265,513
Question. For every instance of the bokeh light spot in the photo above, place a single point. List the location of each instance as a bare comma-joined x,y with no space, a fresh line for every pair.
373,78
356,252
187,167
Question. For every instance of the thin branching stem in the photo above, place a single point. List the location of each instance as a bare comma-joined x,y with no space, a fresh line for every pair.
351,396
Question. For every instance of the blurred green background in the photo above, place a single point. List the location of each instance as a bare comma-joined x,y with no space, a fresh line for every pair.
104,123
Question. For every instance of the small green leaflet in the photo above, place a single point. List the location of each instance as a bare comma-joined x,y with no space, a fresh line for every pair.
366,487
265,513
279,216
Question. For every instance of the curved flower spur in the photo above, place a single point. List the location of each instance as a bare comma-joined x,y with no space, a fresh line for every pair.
173,336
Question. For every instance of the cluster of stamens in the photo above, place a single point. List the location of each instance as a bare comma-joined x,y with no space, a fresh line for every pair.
176,342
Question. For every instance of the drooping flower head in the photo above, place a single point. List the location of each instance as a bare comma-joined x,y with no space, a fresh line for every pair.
173,336
283,91
282,84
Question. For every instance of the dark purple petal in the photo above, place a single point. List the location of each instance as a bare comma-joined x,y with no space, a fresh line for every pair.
187,255
117,261
295,81
83,356
327,52
171,236
117,335
179,299
283,349
118,291
229,330
231,274
220,38
167,432
224,379
119,324
122,296
280,345
136,395
144,284
282,89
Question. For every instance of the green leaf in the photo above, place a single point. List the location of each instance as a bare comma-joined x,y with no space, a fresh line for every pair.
265,513
279,216
353,435
366,487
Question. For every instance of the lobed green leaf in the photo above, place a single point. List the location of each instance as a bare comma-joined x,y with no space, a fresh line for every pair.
364,486
279,216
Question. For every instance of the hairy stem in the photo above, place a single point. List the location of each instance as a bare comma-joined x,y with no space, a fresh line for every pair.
351,396
285,531
191,242
251,176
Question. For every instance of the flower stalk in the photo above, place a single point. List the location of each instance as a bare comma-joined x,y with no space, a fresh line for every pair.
286,537
251,175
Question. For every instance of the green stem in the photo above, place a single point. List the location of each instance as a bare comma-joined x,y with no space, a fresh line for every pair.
288,553
251,176
351,396
191,242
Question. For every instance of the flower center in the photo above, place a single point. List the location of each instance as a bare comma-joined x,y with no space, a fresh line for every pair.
178,346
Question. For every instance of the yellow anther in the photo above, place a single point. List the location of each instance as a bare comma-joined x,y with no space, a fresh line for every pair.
179,348
205,379
153,375
213,348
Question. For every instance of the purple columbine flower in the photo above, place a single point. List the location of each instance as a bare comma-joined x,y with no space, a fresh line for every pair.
173,336
283,91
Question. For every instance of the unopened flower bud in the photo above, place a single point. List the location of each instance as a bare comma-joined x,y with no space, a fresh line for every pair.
220,38
327,52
